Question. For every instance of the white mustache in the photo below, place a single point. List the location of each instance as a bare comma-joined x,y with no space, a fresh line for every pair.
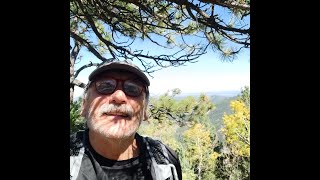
111,108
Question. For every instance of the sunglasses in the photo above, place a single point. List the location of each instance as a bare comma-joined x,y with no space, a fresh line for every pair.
129,87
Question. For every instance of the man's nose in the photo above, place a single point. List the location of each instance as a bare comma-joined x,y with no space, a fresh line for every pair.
118,96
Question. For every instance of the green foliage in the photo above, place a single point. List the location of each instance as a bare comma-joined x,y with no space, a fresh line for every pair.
232,167
245,96
202,109
164,131
166,107
76,121
188,174
184,111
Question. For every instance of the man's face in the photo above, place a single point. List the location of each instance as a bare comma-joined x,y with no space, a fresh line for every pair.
114,115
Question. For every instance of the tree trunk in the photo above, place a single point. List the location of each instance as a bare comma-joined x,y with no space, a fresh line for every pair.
73,56
71,80
200,159
71,93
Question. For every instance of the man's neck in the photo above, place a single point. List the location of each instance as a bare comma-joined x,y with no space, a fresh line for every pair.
115,149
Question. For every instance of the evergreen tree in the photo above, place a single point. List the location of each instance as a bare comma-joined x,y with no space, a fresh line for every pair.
128,30
76,121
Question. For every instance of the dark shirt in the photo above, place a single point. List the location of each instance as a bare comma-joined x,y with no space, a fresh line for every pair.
96,167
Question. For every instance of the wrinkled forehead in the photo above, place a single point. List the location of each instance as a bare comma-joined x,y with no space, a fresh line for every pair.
118,74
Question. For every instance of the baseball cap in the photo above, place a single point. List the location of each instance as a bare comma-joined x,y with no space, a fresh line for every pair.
120,65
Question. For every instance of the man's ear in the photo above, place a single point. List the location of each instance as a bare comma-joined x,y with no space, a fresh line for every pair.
145,109
82,108
146,114
145,118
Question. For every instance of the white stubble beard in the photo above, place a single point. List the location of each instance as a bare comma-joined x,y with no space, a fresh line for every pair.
116,131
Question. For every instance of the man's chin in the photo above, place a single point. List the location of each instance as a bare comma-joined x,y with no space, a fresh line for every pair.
116,135
116,131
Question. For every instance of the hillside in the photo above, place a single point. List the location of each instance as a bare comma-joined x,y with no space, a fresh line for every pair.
222,104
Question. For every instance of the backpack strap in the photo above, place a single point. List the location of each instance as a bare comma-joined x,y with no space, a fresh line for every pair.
173,168
75,164
77,149
165,153
160,171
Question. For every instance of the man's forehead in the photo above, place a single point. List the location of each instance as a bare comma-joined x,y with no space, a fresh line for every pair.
117,74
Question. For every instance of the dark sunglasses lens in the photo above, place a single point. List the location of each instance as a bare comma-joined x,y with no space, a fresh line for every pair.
132,88
106,86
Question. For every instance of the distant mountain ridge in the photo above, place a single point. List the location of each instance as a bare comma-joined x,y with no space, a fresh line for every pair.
229,93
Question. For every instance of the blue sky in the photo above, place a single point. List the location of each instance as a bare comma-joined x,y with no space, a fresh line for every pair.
209,74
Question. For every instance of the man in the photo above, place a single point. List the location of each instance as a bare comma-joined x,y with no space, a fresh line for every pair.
115,102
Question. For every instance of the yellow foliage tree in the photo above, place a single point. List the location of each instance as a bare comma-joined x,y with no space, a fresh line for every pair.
237,129
199,151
